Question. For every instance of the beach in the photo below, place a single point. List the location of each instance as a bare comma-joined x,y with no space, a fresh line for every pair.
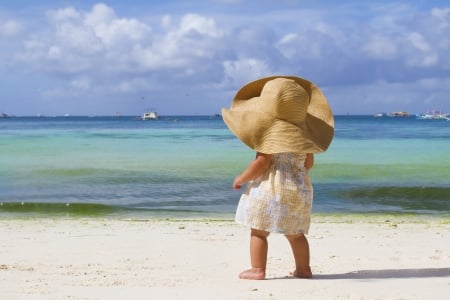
352,257
119,208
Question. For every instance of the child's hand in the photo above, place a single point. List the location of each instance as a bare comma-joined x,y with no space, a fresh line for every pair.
236,183
255,169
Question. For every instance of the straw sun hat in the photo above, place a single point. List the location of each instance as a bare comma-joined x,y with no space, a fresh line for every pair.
281,114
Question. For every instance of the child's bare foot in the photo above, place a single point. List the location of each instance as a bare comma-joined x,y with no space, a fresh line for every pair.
253,273
306,273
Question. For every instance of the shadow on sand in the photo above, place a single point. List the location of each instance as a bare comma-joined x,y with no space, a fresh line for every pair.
382,274
386,274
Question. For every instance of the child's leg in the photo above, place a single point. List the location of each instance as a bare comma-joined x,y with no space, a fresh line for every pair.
300,249
258,255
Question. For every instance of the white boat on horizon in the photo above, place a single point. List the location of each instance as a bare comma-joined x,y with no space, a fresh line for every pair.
398,114
433,115
150,115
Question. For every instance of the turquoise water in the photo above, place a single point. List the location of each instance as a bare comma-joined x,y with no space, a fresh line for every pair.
185,166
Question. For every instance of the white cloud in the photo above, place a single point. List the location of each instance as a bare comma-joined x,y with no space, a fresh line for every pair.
100,14
82,83
113,31
10,28
98,41
443,14
381,47
64,15
288,45
238,72
194,38
166,22
420,52
132,85
418,42
196,23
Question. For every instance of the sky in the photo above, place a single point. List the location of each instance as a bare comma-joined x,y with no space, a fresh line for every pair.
190,57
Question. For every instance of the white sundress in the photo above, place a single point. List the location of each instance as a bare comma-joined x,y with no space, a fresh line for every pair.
281,199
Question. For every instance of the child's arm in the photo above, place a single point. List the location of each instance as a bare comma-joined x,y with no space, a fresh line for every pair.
309,161
255,169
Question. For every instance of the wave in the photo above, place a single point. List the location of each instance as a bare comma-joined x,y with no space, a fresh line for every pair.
407,198
73,209
148,192
44,209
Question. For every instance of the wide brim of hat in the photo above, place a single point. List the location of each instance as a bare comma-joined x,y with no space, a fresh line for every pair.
267,134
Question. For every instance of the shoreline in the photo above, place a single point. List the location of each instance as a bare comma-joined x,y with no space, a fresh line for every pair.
174,215
379,257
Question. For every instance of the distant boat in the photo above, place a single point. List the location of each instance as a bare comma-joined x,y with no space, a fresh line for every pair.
433,115
379,115
398,114
150,115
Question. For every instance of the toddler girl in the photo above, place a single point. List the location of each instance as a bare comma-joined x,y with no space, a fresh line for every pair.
285,119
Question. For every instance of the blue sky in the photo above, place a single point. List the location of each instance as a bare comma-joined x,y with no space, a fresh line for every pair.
190,57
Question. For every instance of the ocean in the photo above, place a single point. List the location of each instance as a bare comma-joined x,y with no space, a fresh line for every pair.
183,166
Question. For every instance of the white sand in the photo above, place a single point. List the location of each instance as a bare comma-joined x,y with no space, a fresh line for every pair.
199,259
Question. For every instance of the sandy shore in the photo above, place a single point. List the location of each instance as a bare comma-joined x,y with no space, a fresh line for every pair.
352,258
